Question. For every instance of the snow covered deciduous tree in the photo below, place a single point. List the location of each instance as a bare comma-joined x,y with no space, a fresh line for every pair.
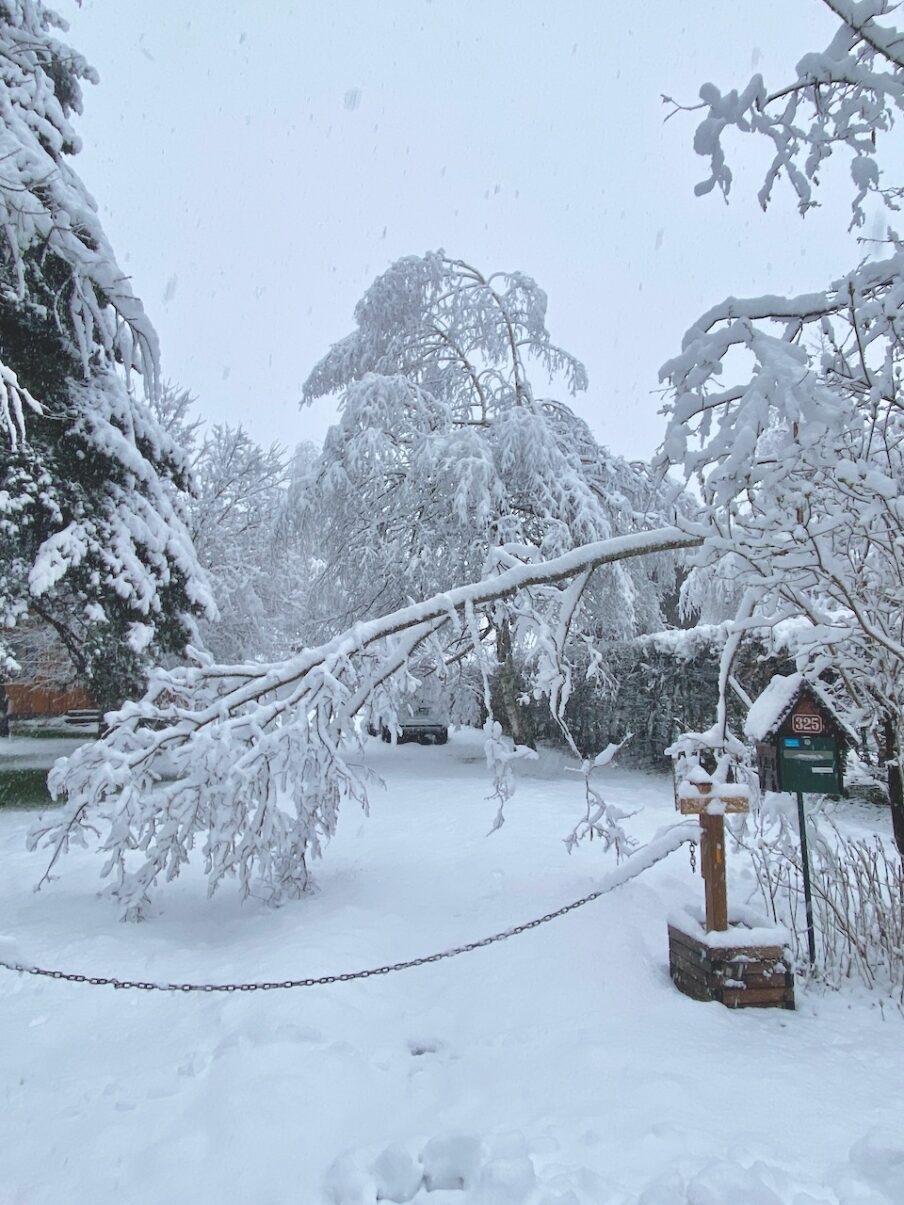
246,524
244,539
445,450
789,411
92,537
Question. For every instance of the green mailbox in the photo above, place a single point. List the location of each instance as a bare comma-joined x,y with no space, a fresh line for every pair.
801,741
800,738
809,764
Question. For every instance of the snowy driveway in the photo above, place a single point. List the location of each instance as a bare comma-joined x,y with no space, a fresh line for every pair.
557,1068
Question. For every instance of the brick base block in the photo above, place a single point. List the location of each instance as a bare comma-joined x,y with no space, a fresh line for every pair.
738,976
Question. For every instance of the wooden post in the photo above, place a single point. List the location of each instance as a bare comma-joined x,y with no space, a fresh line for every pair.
695,796
712,867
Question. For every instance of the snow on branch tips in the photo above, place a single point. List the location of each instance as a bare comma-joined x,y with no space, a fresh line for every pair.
14,401
845,96
252,761
601,820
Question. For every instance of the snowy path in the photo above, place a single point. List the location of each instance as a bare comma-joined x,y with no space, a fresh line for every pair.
557,1068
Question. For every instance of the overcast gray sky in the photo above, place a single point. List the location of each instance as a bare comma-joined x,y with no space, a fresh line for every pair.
257,164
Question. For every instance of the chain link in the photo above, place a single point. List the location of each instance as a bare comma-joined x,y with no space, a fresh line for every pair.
322,980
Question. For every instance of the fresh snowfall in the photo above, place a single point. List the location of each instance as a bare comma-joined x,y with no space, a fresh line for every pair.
354,797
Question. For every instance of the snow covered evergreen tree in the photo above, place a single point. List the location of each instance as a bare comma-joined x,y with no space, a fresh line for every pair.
93,542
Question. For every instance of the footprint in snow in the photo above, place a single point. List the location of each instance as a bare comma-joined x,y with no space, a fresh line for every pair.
421,1046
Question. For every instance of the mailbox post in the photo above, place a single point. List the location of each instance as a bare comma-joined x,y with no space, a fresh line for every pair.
700,796
800,744
732,957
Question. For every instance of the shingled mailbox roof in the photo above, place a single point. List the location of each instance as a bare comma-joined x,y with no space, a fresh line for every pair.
777,702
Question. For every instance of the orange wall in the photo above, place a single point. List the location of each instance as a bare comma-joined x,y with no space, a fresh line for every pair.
44,700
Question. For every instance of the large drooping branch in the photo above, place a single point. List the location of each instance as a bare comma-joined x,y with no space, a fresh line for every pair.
259,681
251,761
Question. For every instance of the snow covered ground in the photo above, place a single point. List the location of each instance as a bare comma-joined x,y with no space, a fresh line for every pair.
559,1067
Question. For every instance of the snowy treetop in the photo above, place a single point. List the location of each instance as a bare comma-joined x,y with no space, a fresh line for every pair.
47,213
460,334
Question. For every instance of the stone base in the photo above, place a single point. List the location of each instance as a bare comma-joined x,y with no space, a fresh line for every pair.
739,975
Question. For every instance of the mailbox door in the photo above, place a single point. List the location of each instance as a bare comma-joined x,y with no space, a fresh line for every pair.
809,764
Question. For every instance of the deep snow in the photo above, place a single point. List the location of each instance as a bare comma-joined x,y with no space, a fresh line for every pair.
559,1067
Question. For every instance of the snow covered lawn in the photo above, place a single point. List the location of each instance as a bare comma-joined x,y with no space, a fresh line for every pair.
559,1067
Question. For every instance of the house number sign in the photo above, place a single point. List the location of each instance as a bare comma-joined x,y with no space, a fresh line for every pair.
808,725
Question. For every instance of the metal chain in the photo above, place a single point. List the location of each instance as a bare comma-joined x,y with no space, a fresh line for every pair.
323,980
146,986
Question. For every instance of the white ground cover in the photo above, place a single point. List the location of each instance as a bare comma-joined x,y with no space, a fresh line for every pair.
559,1067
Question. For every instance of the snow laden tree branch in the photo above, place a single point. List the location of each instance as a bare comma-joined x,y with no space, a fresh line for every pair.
49,223
845,97
252,761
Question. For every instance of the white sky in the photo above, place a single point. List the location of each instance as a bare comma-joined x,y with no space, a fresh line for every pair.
256,165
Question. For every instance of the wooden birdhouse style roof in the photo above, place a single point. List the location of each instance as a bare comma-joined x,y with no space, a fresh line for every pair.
785,699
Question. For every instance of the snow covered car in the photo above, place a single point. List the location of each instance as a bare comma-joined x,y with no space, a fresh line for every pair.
425,722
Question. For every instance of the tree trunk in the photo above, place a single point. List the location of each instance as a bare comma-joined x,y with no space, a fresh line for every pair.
892,742
517,717
4,711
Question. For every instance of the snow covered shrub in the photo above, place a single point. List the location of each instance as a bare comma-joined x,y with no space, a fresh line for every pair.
858,898
655,687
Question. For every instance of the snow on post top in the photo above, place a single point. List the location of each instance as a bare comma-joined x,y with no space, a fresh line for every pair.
698,776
